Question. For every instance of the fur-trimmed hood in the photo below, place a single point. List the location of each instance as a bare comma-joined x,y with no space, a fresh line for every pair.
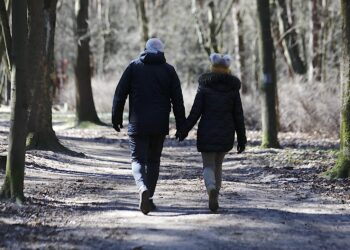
219,81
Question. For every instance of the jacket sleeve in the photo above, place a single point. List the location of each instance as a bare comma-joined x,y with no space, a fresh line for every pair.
238,118
121,93
177,101
196,111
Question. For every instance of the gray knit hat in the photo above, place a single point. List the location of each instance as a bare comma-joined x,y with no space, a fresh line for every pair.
155,45
217,59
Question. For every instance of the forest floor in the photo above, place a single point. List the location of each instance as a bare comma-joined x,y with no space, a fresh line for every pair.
270,199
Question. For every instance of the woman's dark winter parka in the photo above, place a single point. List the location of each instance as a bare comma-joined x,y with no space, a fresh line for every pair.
219,106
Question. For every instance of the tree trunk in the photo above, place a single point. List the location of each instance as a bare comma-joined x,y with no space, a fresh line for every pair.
6,33
268,82
239,46
101,39
213,43
140,6
210,42
8,88
276,35
42,23
109,43
5,49
342,168
202,39
334,58
3,158
314,44
14,178
85,106
326,25
289,36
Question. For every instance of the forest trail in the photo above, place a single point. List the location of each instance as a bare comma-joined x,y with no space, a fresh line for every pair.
270,199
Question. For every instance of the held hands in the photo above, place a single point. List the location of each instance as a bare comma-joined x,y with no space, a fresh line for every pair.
118,126
240,148
180,136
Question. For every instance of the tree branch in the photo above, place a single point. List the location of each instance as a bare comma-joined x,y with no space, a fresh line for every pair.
200,34
6,33
222,20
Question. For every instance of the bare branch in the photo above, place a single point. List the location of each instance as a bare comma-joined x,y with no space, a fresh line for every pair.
6,33
223,18
201,37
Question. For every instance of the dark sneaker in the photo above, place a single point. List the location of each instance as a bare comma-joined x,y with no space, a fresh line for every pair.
213,200
151,204
144,202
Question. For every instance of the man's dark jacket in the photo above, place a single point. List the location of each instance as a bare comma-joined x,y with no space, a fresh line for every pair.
153,87
218,103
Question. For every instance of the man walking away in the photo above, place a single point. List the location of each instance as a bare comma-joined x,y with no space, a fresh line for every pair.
153,87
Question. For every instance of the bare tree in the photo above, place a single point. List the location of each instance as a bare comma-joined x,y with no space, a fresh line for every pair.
315,47
140,6
85,106
14,178
268,81
42,26
239,44
5,47
342,169
6,33
104,24
278,38
290,37
214,26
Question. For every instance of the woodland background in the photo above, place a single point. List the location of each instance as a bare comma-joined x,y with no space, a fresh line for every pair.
308,98
65,172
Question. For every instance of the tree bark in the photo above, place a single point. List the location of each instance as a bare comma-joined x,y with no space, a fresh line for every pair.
326,26
5,48
42,24
239,45
85,106
202,39
314,44
140,6
342,168
290,41
268,82
276,34
212,27
210,42
3,158
6,33
101,39
14,177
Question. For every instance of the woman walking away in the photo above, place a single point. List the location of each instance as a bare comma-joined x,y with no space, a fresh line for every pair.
219,106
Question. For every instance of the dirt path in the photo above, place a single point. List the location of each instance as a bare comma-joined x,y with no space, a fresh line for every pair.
271,199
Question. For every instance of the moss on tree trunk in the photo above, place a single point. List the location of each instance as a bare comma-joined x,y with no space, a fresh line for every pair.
342,168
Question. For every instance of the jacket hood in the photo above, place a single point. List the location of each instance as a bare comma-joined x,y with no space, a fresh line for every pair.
219,82
152,58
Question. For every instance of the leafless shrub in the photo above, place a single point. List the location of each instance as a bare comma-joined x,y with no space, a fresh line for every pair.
310,107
